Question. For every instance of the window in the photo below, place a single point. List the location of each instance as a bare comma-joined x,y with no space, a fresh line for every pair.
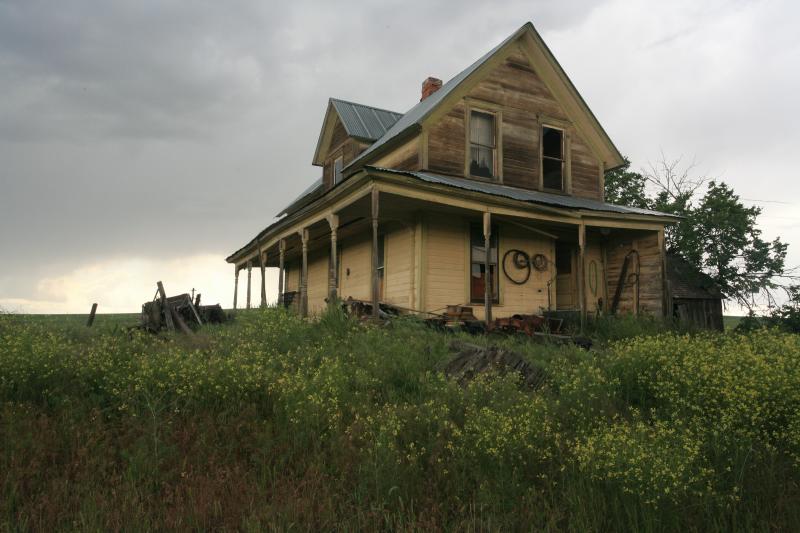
477,285
337,169
482,144
552,158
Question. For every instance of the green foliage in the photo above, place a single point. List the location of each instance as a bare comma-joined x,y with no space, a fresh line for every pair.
274,422
625,187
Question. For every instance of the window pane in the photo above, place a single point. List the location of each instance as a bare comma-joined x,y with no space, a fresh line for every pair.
552,144
477,288
552,173
478,267
482,163
481,128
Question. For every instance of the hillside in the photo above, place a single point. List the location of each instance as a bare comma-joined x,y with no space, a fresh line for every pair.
275,423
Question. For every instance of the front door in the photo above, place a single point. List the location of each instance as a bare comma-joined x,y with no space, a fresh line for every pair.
565,276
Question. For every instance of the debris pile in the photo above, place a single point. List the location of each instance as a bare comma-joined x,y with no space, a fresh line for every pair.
472,360
178,311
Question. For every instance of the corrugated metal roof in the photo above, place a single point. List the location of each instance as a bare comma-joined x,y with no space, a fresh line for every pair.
523,195
364,122
415,115
312,192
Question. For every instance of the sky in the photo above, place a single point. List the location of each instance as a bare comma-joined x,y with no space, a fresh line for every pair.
145,140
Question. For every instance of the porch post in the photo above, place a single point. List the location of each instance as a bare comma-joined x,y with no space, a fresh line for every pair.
304,274
488,279
262,260
235,284
333,221
281,250
582,273
375,291
666,298
249,276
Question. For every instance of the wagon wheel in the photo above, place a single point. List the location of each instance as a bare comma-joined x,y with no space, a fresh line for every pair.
520,261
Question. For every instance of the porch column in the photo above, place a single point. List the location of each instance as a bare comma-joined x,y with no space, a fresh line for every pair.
487,279
304,274
262,259
281,250
249,277
666,298
582,273
375,288
333,221
235,284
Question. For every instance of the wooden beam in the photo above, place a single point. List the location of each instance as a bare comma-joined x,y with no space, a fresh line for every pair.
582,274
235,285
487,279
262,261
281,252
91,316
374,204
666,300
530,228
333,221
304,274
249,278
165,306
604,259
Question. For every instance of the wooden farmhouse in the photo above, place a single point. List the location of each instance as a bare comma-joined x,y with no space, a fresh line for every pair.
487,193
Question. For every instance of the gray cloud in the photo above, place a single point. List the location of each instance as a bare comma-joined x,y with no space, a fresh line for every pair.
143,128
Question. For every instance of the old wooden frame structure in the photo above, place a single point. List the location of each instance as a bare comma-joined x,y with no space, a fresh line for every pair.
406,191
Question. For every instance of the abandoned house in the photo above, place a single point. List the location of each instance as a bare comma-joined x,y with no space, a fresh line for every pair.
487,193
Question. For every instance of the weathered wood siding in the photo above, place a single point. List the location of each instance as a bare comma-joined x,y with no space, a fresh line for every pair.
355,256
651,285
515,91
405,157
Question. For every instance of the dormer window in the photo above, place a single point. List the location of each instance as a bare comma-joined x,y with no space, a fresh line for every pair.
482,144
552,158
337,169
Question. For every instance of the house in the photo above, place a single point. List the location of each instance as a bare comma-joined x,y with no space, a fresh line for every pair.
486,193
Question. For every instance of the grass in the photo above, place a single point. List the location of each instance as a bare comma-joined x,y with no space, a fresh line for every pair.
279,424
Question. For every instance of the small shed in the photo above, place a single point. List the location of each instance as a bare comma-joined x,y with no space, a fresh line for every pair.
692,295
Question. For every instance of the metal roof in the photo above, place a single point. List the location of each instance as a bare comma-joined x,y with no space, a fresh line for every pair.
523,195
311,193
415,115
364,122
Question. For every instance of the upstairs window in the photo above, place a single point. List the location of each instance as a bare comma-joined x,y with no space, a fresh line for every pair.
337,169
552,158
478,277
482,144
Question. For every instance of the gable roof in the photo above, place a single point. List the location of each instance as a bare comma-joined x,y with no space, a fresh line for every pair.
360,121
412,119
686,281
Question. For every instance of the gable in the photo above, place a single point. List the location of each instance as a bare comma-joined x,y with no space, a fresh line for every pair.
348,120
530,51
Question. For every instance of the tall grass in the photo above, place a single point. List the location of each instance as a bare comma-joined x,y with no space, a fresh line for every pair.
277,423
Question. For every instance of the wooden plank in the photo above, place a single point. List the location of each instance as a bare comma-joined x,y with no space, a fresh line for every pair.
165,307
91,316
488,279
304,273
262,261
375,288
281,270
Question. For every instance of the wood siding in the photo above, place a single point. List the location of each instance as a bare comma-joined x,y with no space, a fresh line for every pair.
651,292
524,103
405,157
398,282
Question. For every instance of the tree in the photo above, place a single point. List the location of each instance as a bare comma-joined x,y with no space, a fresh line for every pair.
718,234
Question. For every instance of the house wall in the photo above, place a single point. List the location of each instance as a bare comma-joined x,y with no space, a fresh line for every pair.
523,103
447,268
405,157
651,292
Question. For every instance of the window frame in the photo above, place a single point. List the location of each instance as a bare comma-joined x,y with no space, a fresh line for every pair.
564,156
495,236
334,180
497,151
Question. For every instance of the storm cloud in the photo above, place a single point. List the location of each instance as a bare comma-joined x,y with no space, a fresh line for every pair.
141,136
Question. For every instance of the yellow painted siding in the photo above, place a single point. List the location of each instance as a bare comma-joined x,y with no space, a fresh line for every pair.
292,273
398,284
355,257
317,281
445,262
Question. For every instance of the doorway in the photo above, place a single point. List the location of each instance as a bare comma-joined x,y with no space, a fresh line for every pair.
565,276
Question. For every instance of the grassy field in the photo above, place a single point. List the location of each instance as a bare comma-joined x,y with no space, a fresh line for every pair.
275,423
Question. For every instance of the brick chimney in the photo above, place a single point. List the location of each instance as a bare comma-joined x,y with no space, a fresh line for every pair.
430,86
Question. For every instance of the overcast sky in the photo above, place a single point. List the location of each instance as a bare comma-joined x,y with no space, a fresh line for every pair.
144,140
